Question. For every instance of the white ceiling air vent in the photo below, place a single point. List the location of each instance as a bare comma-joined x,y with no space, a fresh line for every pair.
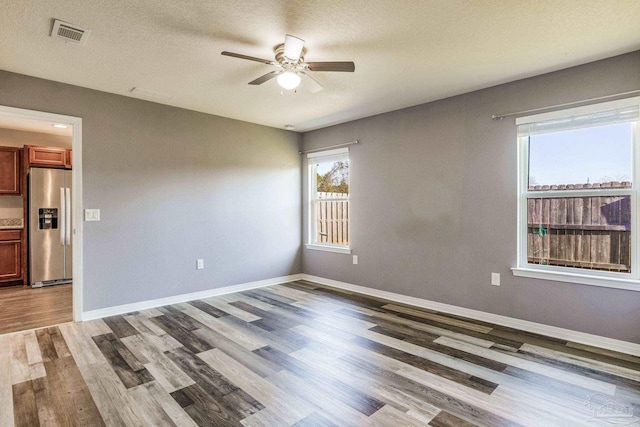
69,33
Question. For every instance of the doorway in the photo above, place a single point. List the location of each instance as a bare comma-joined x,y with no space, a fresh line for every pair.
35,122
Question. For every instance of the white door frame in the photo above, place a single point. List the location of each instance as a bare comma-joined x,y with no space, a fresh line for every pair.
76,206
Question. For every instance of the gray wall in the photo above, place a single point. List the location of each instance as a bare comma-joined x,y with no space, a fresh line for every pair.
433,192
174,185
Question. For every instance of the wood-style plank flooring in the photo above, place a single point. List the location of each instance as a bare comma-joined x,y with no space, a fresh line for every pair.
26,308
301,354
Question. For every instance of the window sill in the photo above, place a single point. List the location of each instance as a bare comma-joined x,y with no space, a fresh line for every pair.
328,248
583,279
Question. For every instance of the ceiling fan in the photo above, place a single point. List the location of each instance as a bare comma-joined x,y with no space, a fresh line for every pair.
289,58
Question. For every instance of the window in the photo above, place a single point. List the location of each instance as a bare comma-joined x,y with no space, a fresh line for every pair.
329,200
578,201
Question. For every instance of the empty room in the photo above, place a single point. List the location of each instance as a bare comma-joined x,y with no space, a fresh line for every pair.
326,213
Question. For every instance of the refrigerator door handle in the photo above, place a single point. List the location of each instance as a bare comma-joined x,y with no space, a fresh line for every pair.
62,218
67,216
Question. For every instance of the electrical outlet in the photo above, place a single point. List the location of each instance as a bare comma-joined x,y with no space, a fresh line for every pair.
355,260
495,279
199,264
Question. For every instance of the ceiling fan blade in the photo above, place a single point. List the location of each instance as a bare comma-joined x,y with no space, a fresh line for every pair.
250,58
312,84
265,78
348,67
292,47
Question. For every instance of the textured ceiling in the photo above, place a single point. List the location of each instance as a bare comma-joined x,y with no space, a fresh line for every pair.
406,52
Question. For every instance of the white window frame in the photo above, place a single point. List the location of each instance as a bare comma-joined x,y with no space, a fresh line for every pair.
619,280
312,191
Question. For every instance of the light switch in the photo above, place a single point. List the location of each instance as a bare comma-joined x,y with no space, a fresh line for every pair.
92,214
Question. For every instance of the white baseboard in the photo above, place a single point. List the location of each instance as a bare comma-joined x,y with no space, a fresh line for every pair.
144,305
511,322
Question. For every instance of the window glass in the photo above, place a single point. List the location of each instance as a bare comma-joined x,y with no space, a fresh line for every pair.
581,232
332,206
582,157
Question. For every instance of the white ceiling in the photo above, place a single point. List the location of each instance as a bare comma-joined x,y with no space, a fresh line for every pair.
406,52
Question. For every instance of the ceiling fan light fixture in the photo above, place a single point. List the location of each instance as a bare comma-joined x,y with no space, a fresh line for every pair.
288,80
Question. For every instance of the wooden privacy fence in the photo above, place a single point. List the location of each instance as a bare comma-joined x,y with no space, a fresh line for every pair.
333,218
583,232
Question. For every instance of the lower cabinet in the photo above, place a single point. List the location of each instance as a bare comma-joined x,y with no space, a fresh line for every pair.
10,255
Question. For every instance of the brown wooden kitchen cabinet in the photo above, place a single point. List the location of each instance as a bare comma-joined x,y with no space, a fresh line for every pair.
50,157
68,158
10,171
10,255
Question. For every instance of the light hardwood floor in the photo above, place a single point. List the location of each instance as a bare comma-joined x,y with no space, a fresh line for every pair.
27,308
302,354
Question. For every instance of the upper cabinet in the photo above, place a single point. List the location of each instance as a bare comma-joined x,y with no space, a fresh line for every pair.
67,158
50,157
10,171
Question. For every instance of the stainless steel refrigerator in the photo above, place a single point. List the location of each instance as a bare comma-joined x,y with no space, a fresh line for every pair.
49,227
